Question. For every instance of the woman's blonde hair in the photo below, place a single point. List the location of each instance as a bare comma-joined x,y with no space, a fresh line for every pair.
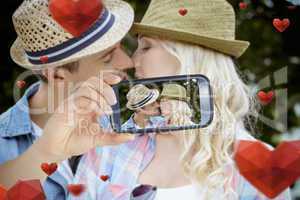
181,113
207,151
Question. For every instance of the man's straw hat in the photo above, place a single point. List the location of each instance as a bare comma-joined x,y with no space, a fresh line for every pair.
174,91
140,96
44,42
209,23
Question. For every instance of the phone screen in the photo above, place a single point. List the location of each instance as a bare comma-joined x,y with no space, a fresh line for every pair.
162,104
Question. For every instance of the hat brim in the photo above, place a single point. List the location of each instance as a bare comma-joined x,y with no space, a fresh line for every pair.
153,99
186,99
124,17
231,47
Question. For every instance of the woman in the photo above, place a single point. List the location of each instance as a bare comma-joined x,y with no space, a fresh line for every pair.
176,38
174,105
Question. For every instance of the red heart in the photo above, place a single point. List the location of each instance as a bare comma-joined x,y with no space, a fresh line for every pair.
271,172
243,5
104,177
76,189
183,11
75,16
265,98
44,59
281,25
20,84
3,192
26,190
49,168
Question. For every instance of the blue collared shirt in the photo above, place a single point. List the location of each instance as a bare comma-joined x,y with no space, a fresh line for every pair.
17,135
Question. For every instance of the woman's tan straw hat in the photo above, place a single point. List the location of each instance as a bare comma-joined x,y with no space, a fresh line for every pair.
43,41
209,23
140,96
174,91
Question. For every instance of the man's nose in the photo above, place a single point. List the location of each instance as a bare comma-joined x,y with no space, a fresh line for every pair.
135,59
123,60
136,64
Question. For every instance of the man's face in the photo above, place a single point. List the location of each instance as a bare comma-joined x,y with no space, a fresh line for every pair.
113,60
151,109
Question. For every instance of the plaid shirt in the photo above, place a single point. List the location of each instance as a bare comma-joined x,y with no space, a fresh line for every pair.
123,164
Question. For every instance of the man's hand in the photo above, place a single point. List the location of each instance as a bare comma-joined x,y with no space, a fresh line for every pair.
73,128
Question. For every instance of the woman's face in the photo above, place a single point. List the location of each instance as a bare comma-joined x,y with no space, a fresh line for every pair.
151,59
165,107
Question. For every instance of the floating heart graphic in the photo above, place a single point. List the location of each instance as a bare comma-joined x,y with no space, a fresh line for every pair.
243,5
183,11
75,16
76,189
2,192
49,168
104,177
281,25
271,172
21,84
26,190
265,98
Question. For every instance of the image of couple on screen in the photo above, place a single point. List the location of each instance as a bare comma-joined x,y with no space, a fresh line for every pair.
153,108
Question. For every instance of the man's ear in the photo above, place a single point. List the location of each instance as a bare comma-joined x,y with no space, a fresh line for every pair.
56,74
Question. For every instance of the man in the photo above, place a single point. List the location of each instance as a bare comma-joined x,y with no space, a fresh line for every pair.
78,60
143,101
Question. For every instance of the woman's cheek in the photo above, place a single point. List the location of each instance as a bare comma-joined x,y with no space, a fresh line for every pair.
165,109
152,64
151,69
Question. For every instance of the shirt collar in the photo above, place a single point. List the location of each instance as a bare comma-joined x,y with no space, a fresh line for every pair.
17,119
